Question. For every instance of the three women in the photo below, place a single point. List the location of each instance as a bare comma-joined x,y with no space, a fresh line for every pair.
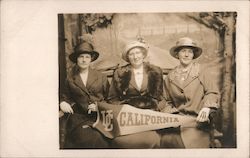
187,91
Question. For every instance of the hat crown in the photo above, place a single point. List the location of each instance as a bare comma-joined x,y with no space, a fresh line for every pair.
84,47
133,44
185,41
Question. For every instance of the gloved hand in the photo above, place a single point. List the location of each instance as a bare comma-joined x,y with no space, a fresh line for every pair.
203,115
92,107
66,107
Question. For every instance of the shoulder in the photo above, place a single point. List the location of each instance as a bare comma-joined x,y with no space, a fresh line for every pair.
97,73
171,73
205,71
202,69
196,69
71,73
122,70
94,71
153,68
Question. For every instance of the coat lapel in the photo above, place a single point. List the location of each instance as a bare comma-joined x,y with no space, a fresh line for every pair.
79,83
144,82
189,80
174,81
92,77
152,81
132,81
194,73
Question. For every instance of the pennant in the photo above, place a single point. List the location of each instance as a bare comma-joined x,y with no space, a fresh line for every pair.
117,120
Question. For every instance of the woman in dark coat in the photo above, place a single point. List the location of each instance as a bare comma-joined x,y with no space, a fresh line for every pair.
190,91
141,85
83,89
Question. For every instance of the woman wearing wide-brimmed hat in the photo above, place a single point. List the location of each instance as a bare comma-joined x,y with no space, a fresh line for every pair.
139,84
84,87
189,91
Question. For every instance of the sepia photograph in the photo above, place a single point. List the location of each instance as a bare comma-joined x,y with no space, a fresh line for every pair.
147,80
124,79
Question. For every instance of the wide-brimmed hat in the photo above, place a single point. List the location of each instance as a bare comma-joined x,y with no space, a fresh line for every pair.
131,45
186,42
84,48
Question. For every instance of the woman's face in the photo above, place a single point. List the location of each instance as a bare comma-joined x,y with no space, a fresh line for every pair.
83,61
185,56
136,57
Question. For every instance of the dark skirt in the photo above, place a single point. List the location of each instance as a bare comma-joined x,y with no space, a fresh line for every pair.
86,137
80,134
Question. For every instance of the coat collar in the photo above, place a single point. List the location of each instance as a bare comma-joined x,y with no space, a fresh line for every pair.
78,81
194,73
92,77
154,80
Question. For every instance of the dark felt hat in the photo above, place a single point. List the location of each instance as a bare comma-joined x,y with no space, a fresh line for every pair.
84,48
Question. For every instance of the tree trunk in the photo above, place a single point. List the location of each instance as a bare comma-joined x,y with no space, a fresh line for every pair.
226,102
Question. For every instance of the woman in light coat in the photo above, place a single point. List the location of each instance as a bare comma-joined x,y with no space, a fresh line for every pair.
190,91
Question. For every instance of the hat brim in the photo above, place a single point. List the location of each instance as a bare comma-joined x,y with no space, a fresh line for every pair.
196,50
73,57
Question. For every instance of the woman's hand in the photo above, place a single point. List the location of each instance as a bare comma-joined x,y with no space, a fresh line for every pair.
66,107
92,107
170,110
203,115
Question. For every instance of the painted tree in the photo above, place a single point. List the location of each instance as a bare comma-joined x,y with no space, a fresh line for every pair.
224,24
88,23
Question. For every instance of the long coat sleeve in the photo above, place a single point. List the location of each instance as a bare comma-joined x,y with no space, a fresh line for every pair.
80,96
197,91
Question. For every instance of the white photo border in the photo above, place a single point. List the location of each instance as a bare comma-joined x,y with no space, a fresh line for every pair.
29,75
